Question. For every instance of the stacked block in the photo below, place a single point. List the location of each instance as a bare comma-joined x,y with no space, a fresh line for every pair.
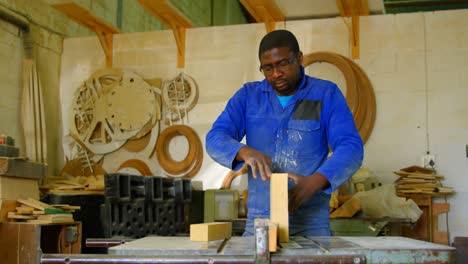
137,206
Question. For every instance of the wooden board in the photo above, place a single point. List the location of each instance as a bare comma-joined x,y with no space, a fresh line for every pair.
34,203
210,231
12,188
279,204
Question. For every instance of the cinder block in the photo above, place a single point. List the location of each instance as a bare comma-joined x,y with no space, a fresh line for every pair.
117,187
154,189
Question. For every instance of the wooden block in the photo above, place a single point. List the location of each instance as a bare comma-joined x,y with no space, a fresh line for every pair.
12,188
272,232
210,231
279,204
6,206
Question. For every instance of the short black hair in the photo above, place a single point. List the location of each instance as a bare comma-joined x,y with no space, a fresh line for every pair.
278,39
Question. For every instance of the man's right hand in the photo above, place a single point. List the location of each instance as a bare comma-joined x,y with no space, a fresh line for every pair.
258,162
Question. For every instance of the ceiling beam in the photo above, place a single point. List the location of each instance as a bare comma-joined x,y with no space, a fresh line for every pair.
86,18
172,18
353,9
265,11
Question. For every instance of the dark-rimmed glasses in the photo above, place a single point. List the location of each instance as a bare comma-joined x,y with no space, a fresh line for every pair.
282,66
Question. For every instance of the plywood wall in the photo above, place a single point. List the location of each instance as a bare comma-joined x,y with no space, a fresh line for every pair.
416,62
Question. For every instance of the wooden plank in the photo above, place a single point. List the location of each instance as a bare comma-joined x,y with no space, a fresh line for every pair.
34,203
279,204
210,231
13,215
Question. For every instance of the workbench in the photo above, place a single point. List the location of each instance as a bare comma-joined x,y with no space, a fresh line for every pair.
354,250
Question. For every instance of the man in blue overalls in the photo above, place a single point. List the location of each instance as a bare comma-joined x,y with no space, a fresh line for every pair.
291,121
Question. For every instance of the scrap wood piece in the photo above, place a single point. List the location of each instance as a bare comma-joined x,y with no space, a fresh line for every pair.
67,207
13,215
348,209
272,233
417,169
34,203
76,192
24,210
418,175
210,231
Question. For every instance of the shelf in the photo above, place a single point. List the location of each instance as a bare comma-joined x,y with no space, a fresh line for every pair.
84,17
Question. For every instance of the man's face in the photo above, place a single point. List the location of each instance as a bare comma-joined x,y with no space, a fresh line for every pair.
281,69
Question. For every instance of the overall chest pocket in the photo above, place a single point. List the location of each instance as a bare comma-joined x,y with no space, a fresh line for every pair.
305,137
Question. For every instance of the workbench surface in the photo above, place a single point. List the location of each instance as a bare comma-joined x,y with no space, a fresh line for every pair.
374,249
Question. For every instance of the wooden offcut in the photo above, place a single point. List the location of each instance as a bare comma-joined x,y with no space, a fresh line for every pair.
210,231
272,233
279,204
348,209
34,203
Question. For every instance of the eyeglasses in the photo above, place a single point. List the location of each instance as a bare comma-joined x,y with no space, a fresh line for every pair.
282,66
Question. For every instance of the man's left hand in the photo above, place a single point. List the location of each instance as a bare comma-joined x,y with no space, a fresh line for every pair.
304,188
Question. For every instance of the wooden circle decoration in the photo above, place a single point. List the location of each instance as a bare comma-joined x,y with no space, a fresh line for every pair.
191,164
359,93
138,165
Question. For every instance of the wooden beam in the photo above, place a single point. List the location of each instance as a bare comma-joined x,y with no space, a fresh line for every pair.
279,204
353,9
265,11
172,18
